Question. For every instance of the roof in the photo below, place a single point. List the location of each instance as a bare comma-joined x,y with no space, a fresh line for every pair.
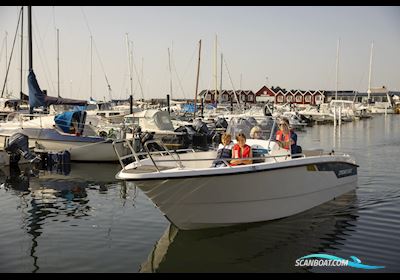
212,91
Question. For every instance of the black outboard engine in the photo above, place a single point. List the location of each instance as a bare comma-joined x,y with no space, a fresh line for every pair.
17,146
221,123
202,137
148,136
200,126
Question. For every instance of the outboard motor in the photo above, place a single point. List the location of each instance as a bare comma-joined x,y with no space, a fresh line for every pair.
148,136
268,110
221,123
17,146
200,126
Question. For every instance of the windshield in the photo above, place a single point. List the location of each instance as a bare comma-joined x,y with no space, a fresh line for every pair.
245,124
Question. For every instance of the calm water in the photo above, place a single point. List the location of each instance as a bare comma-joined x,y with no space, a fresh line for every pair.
88,222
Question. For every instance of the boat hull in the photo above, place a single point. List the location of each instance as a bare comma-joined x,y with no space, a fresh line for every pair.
81,148
223,200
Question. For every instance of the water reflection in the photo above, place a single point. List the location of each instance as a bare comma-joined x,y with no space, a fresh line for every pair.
48,197
261,247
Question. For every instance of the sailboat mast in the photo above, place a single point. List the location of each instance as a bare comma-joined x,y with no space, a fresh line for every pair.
337,69
30,37
197,82
91,67
215,68
30,47
129,65
370,71
6,62
141,77
22,48
220,85
58,64
170,74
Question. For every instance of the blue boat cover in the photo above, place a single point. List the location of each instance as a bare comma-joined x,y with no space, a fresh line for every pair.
188,108
211,106
65,119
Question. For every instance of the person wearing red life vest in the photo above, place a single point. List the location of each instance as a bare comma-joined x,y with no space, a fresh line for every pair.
241,151
283,135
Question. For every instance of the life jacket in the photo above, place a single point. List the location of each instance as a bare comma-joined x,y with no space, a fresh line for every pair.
236,152
283,138
222,153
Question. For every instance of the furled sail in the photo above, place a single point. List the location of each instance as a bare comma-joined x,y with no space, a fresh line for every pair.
37,98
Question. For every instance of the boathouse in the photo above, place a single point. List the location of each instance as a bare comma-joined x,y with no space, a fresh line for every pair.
244,96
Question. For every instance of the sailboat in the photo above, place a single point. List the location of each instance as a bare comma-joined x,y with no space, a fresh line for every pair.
65,131
375,106
7,104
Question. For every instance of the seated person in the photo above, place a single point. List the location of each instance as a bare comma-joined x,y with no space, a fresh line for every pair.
294,148
224,150
283,135
255,133
287,138
241,151
74,128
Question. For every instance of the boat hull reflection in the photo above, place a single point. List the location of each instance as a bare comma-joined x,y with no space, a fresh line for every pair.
254,247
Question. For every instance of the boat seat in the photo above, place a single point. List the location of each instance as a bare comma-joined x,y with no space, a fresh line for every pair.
257,152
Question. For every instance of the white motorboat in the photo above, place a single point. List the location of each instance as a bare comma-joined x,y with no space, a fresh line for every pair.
194,195
46,133
66,131
159,124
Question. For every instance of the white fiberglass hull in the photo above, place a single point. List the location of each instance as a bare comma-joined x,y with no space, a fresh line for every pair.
255,193
80,151
102,151
375,110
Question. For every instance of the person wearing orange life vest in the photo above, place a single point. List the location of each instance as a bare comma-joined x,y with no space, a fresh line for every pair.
241,151
283,135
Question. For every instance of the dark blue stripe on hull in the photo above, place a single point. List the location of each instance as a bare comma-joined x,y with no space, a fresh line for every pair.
341,169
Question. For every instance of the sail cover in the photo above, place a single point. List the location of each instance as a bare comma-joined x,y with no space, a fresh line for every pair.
37,98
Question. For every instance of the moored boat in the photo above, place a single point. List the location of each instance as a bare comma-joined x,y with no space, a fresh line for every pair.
194,195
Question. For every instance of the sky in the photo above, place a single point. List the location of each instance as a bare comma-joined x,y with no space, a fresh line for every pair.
291,47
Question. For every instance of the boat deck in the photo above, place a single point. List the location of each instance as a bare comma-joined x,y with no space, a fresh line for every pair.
147,169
